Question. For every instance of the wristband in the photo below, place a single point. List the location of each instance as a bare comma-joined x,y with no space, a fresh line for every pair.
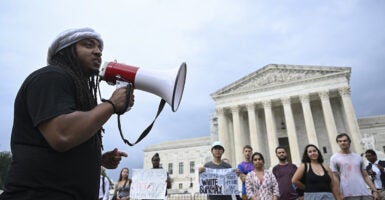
110,102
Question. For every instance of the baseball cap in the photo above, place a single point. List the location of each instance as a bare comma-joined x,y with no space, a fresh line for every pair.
217,144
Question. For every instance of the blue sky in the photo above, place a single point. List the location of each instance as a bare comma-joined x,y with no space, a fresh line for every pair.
220,40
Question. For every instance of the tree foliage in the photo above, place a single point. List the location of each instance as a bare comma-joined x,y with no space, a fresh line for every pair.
5,161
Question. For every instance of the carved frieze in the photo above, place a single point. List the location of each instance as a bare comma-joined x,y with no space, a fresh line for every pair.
277,75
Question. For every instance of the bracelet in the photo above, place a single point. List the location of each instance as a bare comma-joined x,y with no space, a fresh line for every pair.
110,102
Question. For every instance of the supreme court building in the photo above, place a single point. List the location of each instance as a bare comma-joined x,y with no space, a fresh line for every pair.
286,105
277,105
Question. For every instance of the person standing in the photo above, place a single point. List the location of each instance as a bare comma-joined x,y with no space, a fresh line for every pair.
245,167
349,172
314,177
122,187
261,183
284,172
155,160
56,139
375,169
156,165
217,151
104,188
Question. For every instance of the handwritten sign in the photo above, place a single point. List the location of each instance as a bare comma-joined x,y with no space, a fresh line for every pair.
218,182
148,184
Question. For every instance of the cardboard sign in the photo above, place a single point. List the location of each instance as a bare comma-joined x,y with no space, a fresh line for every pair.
148,184
218,182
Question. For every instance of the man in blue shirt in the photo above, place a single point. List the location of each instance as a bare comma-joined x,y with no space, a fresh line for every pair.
245,167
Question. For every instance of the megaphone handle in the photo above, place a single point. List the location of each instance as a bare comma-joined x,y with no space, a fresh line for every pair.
147,130
128,99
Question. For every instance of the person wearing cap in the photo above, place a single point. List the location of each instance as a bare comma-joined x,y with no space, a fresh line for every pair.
56,137
217,151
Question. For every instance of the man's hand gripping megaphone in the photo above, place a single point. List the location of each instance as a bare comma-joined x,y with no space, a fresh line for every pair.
122,98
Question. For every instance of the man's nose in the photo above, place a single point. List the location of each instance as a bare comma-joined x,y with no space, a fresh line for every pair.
98,51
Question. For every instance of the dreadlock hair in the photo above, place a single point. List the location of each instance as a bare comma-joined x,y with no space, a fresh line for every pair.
86,86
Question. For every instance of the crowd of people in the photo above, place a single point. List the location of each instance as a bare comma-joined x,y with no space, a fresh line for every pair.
346,177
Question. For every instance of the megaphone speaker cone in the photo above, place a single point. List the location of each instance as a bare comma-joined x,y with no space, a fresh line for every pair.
167,84
179,87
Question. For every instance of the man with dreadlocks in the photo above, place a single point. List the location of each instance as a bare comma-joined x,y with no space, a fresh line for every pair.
56,137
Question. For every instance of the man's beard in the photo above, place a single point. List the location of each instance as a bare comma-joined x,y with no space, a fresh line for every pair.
282,158
91,72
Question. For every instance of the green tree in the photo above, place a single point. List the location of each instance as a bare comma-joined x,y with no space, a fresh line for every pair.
5,161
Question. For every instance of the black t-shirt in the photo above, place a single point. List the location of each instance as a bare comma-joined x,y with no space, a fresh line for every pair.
37,171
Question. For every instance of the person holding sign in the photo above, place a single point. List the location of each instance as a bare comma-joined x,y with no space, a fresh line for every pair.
155,160
156,165
217,151
261,183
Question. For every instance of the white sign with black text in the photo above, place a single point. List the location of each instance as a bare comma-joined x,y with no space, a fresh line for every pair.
218,182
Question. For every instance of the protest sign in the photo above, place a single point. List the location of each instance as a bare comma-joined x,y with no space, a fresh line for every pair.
148,184
218,182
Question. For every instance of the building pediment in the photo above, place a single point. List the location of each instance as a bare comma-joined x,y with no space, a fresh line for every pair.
278,75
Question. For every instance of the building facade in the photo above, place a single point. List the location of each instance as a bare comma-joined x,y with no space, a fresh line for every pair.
286,105
278,105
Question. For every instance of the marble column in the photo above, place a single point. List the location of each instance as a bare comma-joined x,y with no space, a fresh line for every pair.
238,146
309,122
329,120
271,132
291,132
255,134
351,119
223,134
